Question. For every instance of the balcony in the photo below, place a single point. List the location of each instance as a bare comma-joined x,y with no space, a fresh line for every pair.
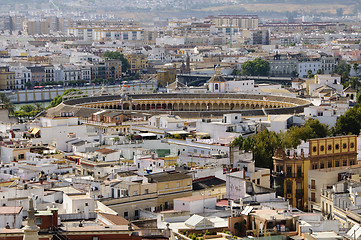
299,191
312,187
294,175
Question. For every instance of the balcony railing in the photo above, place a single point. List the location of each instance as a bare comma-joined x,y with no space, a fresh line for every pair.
313,187
294,175
299,191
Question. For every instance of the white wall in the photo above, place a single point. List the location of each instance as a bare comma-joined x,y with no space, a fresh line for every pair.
236,186
196,206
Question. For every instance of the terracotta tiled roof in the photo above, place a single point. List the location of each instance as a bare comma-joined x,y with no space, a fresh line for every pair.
105,151
10,210
116,220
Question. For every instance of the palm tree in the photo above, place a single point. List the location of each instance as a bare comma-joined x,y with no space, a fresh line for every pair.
38,107
8,104
355,67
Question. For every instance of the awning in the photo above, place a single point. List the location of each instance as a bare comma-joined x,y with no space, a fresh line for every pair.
34,131
177,132
147,134
203,134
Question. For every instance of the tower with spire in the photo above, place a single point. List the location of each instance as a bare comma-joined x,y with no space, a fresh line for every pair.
31,230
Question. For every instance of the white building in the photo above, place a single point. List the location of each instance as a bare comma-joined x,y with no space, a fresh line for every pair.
11,217
304,67
78,203
324,114
22,76
230,126
195,204
284,122
166,122
56,131
237,86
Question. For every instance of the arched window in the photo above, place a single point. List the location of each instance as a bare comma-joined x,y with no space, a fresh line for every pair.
216,86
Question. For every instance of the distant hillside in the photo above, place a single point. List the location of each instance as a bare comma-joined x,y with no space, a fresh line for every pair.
344,2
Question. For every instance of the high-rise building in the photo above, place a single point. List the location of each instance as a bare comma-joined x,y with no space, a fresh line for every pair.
241,21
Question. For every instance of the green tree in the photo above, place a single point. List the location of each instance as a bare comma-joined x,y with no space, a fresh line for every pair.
39,107
28,84
349,123
294,73
257,67
311,129
319,71
58,99
354,82
343,69
235,72
8,104
119,56
310,74
27,108
261,67
263,145
355,67
237,142
248,68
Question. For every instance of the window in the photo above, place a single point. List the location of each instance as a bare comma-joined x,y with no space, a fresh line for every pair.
299,171
337,164
216,86
329,147
289,170
344,163
313,196
322,148
322,165
314,149
337,146
146,191
289,187
313,184
86,204
38,221
258,181
125,214
352,145
344,146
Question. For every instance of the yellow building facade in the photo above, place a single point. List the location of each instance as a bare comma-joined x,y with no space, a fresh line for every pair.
170,185
137,62
167,75
291,172
7,79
